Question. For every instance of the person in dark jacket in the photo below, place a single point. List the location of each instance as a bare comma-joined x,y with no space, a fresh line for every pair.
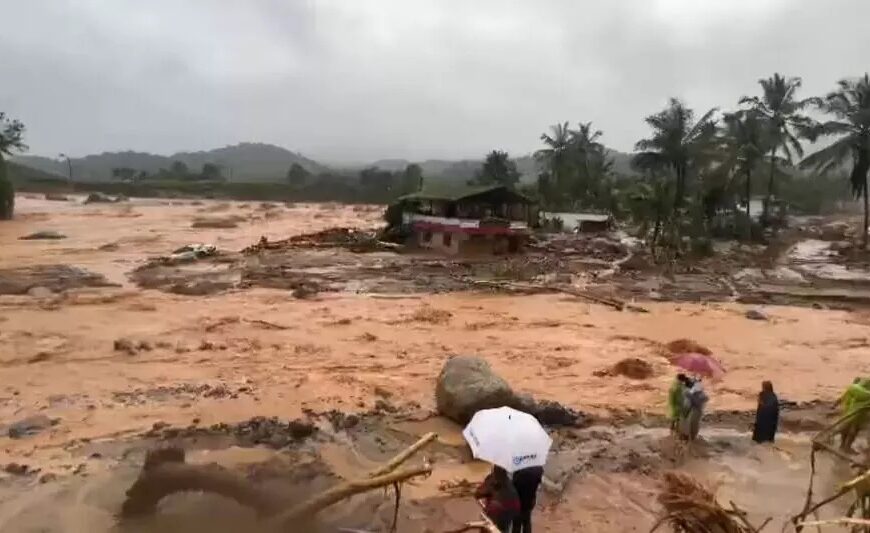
500,500
766,415
526,482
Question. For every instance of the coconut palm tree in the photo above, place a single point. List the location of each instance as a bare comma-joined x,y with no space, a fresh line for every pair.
744,142
779,105
558,146
585,142
556,157
590,162
850,105
677,142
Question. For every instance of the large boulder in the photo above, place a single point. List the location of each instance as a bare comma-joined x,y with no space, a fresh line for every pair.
467,385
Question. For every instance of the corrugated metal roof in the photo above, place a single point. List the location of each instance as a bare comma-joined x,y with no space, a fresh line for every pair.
455,192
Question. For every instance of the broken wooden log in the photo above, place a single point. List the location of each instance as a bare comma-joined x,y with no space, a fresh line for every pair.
404,456
318,502
382,476
619,305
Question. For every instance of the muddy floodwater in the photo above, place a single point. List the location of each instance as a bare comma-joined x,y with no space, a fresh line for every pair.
107,362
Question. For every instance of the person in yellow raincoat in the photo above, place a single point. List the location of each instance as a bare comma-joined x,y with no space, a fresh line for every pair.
856,397
676,400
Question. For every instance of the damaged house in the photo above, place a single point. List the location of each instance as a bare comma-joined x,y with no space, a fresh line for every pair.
466,219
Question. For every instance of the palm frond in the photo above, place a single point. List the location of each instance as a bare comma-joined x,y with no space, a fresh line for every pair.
835,154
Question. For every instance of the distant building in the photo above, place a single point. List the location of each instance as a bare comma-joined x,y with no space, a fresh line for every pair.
467,219
579,222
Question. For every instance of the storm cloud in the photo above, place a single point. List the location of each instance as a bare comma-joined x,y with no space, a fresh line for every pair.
354,80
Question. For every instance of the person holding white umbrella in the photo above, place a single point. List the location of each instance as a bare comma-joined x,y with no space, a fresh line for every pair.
512,441
499,498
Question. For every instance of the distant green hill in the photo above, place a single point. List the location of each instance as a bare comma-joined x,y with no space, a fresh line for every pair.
259,162
465,169
22,175
241,162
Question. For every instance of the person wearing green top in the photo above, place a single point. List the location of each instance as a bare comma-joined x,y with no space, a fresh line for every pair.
676,400
856,396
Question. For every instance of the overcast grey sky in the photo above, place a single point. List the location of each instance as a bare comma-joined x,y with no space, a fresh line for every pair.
353,80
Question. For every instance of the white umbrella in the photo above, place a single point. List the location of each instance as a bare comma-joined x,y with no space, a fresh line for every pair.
508,438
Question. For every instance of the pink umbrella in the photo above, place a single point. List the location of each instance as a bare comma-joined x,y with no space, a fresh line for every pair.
698,363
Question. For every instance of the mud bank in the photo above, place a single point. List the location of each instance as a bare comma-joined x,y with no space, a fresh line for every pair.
602,478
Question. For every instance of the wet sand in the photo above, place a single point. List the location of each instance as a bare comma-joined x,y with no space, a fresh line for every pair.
272,355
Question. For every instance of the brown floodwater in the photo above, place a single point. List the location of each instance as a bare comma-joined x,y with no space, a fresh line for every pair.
277,355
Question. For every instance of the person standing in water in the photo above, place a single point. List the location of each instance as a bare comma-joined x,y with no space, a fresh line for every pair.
694,401
526,482
856,398
676,396
499,498
766,414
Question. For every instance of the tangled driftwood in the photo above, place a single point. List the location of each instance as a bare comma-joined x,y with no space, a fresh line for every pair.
165,473
692,508
859,486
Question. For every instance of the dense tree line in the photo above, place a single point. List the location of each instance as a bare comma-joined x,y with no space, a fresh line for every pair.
178,170
692,171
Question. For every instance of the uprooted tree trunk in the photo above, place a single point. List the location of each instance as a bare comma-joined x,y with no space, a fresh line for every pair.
165,473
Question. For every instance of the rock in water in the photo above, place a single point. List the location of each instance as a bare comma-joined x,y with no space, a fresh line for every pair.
43,236
756,314
40,292
467,385
554,414
29,426
99,198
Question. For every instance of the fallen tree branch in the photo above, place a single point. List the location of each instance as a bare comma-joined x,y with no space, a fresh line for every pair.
267,325
344,490
404,456
691,507
819,442
619,305
858,480
850,521
379,477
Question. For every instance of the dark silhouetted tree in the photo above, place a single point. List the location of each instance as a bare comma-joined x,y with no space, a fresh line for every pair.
179,169
744,143
378,185
412,179
498,169
124,173
556,158
211,171
677,143
297,175
11,140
